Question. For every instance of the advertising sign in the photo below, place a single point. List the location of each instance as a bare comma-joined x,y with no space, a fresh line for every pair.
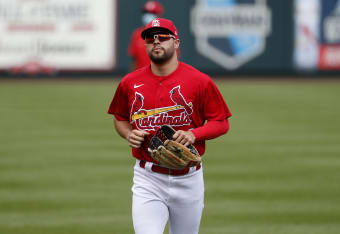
231,32
317,34
330,36
307,34
52,35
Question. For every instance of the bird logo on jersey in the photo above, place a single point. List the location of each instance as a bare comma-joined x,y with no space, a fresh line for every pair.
178,98
149,119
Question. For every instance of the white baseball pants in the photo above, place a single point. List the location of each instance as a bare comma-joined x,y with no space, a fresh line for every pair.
158,198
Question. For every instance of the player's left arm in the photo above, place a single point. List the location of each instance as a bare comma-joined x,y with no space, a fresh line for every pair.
212,129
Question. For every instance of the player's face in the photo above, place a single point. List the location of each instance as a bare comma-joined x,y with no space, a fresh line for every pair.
161,47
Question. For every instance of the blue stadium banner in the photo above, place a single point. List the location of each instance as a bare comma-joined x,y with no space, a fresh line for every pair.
231,32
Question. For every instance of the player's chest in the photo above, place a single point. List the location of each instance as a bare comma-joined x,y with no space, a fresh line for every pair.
163,102
161,94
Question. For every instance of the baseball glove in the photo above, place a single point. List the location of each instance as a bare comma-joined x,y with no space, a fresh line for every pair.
170,153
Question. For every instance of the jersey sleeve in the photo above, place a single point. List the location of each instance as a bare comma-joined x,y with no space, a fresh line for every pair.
119,104
214,107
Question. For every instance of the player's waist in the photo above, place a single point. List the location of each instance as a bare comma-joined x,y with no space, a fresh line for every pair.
142,153
166,171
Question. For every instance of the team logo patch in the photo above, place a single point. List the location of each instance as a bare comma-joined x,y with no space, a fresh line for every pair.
230,32
155,23
149,119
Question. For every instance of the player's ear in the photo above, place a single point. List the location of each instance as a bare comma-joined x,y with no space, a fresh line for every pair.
177,43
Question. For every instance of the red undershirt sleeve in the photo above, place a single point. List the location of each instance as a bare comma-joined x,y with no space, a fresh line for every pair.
211,130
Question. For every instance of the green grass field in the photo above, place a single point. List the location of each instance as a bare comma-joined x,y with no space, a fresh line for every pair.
63,169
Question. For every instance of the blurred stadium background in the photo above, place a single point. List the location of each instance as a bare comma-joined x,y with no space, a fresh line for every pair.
63,169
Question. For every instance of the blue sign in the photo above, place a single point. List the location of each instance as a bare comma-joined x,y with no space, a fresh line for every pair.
231,32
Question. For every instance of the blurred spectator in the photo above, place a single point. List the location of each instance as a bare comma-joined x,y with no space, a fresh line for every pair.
150,11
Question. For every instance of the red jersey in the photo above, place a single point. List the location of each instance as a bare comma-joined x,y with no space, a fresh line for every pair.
185,99
137,49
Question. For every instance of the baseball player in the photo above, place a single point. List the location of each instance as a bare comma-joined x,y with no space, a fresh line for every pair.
167,92
151,10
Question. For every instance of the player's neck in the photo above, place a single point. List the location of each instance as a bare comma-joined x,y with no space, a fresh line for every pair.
166,68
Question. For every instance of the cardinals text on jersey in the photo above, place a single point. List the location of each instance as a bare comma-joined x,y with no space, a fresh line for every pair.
174,115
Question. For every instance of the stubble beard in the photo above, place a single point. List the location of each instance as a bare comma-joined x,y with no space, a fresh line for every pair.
161,58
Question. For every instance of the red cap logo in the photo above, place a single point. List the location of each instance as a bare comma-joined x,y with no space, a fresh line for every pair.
155,23
162,25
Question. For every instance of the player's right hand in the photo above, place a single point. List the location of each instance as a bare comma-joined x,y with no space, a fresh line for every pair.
136,138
